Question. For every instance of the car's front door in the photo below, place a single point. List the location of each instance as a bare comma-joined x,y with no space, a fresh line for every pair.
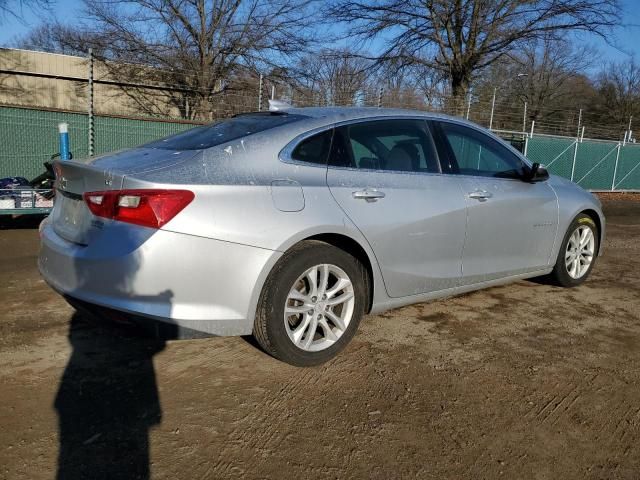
511,224
385,175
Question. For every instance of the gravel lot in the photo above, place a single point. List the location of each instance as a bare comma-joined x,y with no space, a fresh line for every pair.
521,381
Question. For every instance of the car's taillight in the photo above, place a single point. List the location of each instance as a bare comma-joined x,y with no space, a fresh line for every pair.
149,208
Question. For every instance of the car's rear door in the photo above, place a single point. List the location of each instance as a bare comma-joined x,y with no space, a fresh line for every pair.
385,175
511,224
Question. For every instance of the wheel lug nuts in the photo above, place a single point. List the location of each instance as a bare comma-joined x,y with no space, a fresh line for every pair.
320,317
314,299
324,297
310,312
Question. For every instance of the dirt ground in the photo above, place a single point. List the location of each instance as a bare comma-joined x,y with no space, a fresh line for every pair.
521,381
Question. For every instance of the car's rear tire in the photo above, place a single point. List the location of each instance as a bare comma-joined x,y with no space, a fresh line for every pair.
578,252
305,322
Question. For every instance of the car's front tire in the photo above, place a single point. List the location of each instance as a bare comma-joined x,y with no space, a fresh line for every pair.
577,253
311,304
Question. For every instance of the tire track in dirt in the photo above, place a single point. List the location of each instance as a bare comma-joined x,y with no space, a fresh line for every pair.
561,403
265,428
259,433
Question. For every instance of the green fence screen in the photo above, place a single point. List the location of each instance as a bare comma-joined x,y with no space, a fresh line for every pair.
596,162
29,137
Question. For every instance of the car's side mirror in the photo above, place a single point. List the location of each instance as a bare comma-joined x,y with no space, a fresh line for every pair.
536,173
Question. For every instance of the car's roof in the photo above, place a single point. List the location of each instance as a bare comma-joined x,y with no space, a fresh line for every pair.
337,114
323,116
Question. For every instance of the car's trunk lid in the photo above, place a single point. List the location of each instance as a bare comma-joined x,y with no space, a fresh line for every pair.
71,218
141,160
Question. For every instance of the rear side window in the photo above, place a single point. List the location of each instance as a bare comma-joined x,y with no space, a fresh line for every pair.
225,131
314,149
394,145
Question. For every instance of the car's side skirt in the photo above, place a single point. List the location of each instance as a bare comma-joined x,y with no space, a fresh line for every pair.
390,303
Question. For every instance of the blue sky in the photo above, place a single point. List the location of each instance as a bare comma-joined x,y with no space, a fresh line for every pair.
625,41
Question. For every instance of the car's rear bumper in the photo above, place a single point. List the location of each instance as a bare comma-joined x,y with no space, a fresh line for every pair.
194,283
155,327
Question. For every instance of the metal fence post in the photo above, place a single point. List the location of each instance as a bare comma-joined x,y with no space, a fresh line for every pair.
579,121
380,97
469,106
91,138
260,94
573,164
527,137
615,168
493,106
524,118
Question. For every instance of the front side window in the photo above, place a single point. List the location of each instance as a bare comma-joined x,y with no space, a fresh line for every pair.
480,155
395,145
225,131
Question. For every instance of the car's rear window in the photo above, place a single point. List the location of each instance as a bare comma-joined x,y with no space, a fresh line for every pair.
225,131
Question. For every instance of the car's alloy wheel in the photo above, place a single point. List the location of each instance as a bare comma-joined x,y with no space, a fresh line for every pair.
319,307
579,252
311,304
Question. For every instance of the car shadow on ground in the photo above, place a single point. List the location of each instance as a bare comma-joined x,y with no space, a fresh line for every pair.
107,402
22,222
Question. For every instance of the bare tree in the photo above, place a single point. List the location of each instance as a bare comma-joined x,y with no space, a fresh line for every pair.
460,37
15,8
543,74
619,93
333,77
52,38
547,68
411,87
199,48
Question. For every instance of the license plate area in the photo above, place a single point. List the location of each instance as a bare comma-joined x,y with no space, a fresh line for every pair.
71,217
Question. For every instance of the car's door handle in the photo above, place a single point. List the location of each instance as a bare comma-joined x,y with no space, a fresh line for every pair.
480,194
369,195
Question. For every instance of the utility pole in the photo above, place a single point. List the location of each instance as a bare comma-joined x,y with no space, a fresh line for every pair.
260,94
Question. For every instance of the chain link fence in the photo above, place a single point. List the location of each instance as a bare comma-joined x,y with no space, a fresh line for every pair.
29,137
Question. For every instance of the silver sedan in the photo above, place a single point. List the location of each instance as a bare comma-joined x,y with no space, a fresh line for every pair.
291,225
